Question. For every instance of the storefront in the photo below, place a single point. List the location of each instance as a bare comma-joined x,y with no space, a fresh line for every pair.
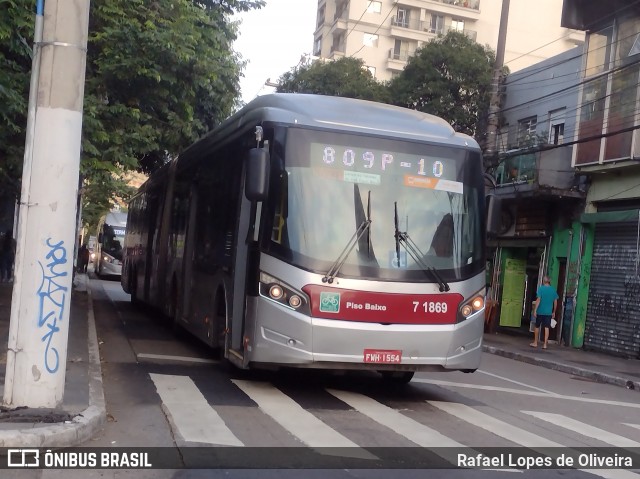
612,323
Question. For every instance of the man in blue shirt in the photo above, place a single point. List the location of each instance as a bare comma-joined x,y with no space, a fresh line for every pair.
544,309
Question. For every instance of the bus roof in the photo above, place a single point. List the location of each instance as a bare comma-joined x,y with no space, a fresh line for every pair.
327,112
346,114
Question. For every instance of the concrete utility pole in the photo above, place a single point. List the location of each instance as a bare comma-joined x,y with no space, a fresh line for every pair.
491,148
39,328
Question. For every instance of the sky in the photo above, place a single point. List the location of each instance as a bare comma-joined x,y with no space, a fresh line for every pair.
273,39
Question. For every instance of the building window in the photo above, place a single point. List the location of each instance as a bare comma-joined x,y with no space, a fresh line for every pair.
402,18
436,25
527,131
374,7
372,70
370,40
320,20
457,25
556,126
317,47
599,51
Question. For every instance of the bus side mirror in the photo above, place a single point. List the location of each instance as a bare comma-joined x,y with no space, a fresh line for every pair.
256,182
494,215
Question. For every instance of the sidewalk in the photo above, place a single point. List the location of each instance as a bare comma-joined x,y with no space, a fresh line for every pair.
577,362
83,411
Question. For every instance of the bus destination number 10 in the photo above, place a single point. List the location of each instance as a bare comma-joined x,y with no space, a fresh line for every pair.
430,307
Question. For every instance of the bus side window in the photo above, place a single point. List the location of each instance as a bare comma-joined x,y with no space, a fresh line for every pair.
280,217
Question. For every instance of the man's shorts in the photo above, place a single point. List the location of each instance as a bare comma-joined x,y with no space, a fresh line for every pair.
543,320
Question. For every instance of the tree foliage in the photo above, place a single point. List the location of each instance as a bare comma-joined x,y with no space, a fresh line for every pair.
159,74
16,34
449,77
345,77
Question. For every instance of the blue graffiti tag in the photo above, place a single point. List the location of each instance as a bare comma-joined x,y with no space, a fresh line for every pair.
52,295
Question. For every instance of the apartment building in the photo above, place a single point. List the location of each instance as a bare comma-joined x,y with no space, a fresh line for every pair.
385,33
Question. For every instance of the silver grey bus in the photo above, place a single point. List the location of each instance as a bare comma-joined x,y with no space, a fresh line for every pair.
323,232
109,247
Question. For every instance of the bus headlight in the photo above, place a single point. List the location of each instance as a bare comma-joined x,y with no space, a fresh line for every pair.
472,305
281,293
275,291
295,301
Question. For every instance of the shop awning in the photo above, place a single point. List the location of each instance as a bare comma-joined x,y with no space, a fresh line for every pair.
610,216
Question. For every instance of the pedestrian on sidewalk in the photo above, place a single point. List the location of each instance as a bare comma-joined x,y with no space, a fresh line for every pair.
83,259
7,255
544,310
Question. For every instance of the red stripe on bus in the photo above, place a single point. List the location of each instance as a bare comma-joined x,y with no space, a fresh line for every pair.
388,308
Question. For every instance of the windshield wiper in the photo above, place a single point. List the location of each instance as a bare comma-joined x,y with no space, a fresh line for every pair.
402,238
363,227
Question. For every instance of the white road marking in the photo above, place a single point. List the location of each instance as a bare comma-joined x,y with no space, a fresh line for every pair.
193,416
493,425
519,436
299,422
437,382
405,426
584,429
399,423
184,359
637,426
515,382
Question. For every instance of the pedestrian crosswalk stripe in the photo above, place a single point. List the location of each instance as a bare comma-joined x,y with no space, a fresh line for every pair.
405,426
584,429
518,435
493,425
299,422
415,431
637,426
193,416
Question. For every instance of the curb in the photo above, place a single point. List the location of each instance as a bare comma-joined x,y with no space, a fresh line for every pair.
564,368
83,426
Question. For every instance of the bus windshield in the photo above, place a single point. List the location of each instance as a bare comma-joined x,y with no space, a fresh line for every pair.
113,240
426,195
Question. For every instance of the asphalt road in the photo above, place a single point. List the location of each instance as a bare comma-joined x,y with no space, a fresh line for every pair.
166,389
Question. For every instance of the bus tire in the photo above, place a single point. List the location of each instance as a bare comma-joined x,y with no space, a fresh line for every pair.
397,377
467,371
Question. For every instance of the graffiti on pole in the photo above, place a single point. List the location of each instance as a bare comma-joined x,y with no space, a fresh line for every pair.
52,294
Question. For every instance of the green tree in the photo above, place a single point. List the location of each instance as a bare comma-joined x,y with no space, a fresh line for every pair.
449,77
345,77
16,34
159,75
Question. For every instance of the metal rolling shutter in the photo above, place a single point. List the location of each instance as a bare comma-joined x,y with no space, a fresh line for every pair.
613,308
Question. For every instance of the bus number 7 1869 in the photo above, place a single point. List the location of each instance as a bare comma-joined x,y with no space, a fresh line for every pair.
430,307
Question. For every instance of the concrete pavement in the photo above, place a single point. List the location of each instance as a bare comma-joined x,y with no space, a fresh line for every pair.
83,412
577,362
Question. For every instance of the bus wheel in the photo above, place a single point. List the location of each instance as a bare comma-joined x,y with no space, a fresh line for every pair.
397,377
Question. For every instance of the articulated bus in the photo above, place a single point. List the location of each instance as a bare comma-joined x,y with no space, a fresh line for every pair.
319,232
109,247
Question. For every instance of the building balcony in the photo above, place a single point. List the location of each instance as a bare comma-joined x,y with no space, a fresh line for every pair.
400,55
422,31
336,52
339,24
537,173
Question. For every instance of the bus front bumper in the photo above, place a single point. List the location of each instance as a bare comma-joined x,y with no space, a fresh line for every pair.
285,337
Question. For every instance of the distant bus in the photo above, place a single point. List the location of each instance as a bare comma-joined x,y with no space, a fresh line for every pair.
319,232
110,242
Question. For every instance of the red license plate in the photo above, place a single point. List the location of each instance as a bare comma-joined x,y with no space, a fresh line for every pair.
382,356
